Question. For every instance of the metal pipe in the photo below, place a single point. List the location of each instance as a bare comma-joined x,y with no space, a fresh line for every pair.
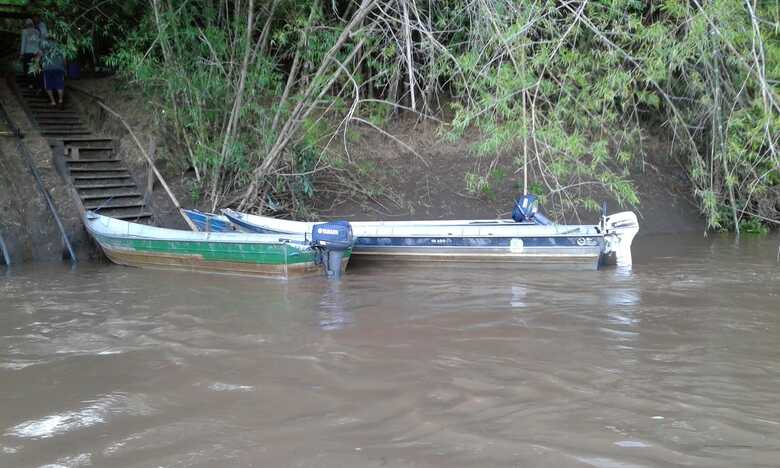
6,256
20,146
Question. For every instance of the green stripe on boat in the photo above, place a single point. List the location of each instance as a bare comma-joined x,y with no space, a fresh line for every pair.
269,254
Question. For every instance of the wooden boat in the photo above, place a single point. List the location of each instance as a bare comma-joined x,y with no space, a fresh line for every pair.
270,255
513,242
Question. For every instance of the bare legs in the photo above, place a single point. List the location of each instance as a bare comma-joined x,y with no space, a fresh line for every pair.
60,95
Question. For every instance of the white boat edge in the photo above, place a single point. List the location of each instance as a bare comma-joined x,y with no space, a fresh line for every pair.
112,227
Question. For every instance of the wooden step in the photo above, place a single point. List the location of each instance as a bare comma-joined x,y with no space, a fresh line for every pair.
49,108
114,206
38,102
102,186
84,149
110,195
94,148
93,144
100,177
54,115
85,166
59,121
53,111
57,135
64,128
126,213
65,132
90,161
48,115
97,169
62,115
43,102
59,117
94,139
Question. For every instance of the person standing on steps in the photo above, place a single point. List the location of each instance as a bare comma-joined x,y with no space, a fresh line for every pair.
31,45
40,26
43,36
54,72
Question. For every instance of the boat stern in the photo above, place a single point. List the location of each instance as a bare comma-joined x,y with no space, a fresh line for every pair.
334,240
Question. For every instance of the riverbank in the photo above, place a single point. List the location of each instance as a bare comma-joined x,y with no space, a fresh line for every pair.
395,183
27,225
423,178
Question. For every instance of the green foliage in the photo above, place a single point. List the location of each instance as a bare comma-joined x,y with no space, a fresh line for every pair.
753,226
577,88
189,59
88,30
571,87
560,98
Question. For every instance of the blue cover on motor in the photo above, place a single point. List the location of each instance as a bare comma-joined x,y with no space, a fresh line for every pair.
525,208
335,235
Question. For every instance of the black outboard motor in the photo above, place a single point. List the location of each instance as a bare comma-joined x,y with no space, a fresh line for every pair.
525,208
332,239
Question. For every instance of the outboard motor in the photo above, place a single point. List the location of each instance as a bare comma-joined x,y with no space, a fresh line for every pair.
525,208
619,231
332,240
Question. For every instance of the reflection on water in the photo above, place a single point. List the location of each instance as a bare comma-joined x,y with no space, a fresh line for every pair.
673,362
93,412
332,309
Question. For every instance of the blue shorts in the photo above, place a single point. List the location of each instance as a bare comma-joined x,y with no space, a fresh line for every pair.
54,80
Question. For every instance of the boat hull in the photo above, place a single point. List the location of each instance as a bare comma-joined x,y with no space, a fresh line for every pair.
498,242
207,259
586,258
481,260
226,253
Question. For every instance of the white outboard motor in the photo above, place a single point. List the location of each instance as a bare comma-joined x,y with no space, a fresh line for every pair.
332,240
619,231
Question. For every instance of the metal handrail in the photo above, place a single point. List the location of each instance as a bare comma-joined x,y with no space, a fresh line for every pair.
6,255
20,146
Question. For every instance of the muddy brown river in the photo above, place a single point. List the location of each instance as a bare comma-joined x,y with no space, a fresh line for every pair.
675,362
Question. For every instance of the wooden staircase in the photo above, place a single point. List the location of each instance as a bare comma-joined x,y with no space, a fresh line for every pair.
102,181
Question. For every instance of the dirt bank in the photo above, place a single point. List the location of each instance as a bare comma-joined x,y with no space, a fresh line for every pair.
26,222
432,185
398,184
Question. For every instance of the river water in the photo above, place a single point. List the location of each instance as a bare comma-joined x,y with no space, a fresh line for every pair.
675,362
